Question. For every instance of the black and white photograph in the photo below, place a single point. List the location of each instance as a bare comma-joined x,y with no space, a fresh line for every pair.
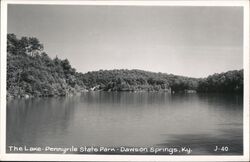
130,80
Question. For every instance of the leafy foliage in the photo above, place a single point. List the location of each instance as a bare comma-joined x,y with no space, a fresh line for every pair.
137,80
30,71
231,81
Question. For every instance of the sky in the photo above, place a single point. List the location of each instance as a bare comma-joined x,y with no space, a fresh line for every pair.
189,41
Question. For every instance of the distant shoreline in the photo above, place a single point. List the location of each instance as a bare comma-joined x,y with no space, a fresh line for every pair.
32,73
80,93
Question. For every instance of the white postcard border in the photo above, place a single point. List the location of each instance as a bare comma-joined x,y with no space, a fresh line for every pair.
67,157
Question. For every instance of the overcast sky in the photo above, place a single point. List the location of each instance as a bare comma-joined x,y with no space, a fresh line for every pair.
190,41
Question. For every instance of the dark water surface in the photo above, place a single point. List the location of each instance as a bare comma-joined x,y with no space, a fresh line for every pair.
114,119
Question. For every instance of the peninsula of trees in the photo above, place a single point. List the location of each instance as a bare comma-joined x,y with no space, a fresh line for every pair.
31,72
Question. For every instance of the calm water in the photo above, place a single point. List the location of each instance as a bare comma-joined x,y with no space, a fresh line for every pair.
115,119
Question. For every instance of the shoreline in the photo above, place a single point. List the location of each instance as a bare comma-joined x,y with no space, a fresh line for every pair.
26,96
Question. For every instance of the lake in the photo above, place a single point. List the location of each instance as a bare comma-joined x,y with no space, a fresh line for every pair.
114,119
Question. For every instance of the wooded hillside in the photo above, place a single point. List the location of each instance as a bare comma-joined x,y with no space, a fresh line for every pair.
31,72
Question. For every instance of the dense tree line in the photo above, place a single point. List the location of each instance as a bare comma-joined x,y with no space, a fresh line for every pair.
137,80
31,72
231,81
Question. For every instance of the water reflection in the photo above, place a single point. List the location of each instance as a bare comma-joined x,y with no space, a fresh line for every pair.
128,119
